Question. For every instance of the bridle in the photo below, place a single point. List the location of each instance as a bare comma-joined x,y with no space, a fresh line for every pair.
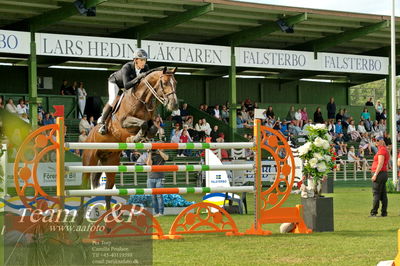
163,98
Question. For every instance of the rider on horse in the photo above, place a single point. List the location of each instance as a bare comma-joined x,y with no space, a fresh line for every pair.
125,78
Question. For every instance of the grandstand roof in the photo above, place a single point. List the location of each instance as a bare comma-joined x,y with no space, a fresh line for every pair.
208,22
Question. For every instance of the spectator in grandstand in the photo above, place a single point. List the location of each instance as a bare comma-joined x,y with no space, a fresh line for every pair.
240,122
318,119
176,129
345,115
156,179
225,114
10,106
341,146
41,111
331,127
338,127
352,131
384,116
379,170
352,158
298,119
185,138
24,117
398,120
378,110
270,113
366,118
21,108
375,130
291,114
84,124
176,116
331,108
293,129
198,127
214,133
185,112
1,102
206,127
339,115
216,112
158,123
81,99
209,110
175,138
369,102
201,107
48,119
304,116
382,126
361,128
64,89
245,115
92,122
83,136
367,143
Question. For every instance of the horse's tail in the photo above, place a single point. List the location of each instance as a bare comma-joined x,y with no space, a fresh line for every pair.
96,180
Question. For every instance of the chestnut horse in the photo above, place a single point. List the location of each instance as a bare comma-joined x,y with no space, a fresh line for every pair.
129,119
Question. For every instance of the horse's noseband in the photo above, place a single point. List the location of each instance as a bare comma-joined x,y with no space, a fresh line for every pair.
162,99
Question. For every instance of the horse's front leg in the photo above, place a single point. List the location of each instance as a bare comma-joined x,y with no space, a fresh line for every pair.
134,122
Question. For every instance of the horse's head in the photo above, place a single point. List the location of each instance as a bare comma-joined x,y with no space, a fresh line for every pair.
166,89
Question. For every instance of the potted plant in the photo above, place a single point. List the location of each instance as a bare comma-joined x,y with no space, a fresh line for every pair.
318,162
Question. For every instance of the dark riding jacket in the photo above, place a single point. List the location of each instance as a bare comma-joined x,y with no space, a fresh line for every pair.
125,76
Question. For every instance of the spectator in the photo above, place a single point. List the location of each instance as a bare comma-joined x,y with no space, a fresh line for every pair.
1,102
398,121
176,137
176,129
366,143
216,112
185,138
21,108
225,114
65,88
318,119
291,114
352,131
361,128
214,134
24,117
339,115
176,116
331,127
341,146
375,130
298,120
156,179
345,115
201,108
369,102
41,112
338,127
293,129
206,127
248,104
200,133
158,123
384,116
240,122
283,127
366,118
379,178
81,99
84,124
378,110
382,126
245,115
10,106
185,113
83,136
74,88
270,113
48,119
92,122
304,115
331,108
352,158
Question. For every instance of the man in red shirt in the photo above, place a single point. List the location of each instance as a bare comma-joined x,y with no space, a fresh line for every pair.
379,178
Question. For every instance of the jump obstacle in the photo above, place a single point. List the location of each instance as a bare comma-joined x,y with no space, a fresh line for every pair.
192,219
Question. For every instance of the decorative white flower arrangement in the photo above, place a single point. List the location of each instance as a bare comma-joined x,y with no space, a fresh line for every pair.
317,156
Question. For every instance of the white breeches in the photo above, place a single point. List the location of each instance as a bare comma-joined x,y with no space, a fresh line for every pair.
112,92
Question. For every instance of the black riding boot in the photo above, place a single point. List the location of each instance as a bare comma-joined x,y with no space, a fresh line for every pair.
103,125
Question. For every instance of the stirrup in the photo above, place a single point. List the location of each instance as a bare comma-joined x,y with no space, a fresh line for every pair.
103,129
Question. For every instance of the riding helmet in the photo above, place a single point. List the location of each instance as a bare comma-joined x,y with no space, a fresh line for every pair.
140,53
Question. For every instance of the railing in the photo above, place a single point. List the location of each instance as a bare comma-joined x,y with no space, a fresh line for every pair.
350,171
174,174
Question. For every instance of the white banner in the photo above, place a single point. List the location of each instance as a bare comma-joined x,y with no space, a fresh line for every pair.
299,60
46,174
187,53
83,46
15,42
